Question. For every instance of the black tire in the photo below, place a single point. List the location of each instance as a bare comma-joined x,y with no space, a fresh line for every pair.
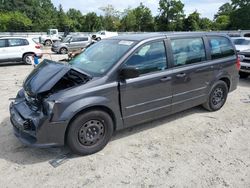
48,43
89,132
27,59
243,74
217,96
98,39
63,50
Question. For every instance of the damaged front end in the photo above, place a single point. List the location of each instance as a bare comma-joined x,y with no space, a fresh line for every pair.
32,111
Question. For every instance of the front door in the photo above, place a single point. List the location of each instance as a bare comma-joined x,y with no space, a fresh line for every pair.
148,96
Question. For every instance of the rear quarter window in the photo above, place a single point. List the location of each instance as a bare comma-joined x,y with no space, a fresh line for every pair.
220,47
2,43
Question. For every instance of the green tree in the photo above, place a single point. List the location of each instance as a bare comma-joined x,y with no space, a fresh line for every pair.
226,9
144,18
171,15
14,21
63,22
205,24
111,20
128,21
92,22
222,22
192,22
76,18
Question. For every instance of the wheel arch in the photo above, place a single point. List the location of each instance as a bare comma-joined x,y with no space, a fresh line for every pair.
32,53
227,81
87,109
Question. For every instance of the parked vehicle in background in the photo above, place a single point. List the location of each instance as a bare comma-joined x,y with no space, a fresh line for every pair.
51,37
103,35
120,82
71,43
245,63
18,49
241,43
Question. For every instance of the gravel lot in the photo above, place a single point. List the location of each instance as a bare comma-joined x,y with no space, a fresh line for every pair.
194,148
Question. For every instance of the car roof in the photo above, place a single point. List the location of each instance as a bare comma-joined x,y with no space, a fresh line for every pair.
14,37
245,38
145,36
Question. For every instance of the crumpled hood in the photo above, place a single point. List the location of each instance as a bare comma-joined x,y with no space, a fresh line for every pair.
44,77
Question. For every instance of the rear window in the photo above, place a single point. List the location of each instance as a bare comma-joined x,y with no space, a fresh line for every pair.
18,42
241,42
188,51
220,47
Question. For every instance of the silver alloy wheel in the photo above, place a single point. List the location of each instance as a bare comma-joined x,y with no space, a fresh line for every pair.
28,59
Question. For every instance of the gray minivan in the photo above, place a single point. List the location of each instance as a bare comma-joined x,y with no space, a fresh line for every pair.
121,82
71,43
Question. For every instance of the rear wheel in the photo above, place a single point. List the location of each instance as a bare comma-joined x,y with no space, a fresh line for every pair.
63,51
243,74
48,43
28,58
217,96
90,132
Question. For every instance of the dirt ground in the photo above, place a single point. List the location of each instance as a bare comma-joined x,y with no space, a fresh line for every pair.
194,148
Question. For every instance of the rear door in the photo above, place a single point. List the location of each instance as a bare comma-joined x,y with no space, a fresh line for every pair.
16,48
192,72
148,96
78,42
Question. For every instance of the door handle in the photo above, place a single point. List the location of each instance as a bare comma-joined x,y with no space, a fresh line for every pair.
181,75
165,79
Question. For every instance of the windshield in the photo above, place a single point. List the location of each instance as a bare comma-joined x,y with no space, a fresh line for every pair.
241,42
67,39
101,56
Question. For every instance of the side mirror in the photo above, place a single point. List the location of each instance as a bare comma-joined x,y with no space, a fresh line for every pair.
129,72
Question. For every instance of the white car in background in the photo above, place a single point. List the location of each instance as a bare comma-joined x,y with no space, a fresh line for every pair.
19,49
103,35
241,43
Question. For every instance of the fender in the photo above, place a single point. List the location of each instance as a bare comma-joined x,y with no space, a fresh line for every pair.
91,102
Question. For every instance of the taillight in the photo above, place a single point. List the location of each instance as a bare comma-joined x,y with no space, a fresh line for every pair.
238,63
37,46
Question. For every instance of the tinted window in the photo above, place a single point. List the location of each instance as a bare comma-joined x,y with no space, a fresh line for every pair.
18,42
220,47
80,39
2,43
149,58
188,51
241,42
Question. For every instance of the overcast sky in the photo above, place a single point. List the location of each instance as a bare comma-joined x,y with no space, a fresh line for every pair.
207,8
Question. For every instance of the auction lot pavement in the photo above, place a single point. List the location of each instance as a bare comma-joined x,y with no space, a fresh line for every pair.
194,148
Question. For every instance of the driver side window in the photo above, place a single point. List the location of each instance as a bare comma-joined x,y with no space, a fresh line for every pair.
149,58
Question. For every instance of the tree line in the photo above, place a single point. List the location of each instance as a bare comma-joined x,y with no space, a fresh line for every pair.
40,15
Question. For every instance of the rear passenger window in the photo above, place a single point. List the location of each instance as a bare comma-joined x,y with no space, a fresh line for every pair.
220,47
18,42
2,43
188,51
149,58
80,39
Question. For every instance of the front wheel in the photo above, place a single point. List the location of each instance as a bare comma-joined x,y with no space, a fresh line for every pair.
63,50
89,132
217,96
